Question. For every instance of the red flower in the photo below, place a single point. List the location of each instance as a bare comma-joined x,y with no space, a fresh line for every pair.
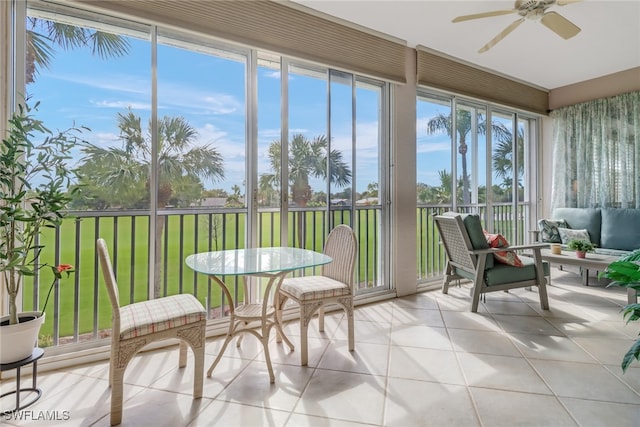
63,267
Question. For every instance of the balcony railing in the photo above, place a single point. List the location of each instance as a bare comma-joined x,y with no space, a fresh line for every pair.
79,309
431,257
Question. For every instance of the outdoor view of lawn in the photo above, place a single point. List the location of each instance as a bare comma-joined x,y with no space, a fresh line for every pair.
334,170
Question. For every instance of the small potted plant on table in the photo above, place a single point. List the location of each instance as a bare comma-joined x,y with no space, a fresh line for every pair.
581,247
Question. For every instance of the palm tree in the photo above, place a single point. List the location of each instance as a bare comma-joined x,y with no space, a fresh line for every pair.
126,170
307,159
42,34
502,159
441,123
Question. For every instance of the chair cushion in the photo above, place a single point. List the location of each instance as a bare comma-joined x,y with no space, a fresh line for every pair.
148,317
502,273
476,233
314,287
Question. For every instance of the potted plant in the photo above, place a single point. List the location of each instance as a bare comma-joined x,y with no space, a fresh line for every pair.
34,178
581,247
627,274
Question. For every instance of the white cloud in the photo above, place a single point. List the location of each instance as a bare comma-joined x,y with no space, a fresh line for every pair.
431,146
121,105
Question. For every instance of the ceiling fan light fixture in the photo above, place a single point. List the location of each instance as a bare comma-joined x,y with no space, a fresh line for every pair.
535,10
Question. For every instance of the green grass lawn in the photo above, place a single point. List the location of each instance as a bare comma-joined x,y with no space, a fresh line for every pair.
128,240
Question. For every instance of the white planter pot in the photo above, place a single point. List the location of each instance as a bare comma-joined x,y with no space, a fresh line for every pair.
17,341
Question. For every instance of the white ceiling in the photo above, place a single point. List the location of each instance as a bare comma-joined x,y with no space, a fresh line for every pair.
609,41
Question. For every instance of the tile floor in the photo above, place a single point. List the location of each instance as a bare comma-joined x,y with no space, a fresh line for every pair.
421,360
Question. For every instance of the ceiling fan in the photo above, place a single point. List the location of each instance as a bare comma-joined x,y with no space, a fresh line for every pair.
529,9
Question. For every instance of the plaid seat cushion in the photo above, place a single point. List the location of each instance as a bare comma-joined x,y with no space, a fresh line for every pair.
148,317
314,287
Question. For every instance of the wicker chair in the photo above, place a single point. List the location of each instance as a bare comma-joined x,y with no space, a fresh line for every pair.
470,257
138,324
334,285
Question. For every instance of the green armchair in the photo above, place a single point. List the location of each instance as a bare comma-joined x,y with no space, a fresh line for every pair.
470,257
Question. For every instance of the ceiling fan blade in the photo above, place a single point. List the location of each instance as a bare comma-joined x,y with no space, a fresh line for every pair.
560,25
483,15
504,33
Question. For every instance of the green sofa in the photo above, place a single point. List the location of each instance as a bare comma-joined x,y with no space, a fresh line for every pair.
614,231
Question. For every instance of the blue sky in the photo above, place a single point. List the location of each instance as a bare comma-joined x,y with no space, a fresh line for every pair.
209,91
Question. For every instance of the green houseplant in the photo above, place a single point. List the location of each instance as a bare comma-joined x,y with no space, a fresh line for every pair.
580,246
627,274
34,178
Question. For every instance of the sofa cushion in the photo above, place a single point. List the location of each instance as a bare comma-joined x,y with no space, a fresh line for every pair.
582,218
549,229
569,234
505,257
620,229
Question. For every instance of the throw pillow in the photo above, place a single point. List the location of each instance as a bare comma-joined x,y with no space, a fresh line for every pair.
505,257
549,229
568,234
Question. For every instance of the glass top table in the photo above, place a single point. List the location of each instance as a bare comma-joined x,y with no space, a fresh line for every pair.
273,263
254,261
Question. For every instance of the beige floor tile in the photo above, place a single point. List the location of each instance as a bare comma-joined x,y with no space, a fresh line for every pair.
381,312
417,316
332,321
230,414
512,306
365,359
550,347
590,328
608,351
367,332
281,353
228,369
526,324
420,403
468,320
631,376
412,360
422,301
420,336
302,420
485,342
344,396
159,408
501,372
590,413
249,348
253,386
584,381
85,402
499,408
425,364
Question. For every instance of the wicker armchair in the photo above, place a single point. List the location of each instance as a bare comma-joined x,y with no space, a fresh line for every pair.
138,324
334,285
470,257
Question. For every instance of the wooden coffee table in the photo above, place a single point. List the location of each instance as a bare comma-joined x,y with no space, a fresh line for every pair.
591,262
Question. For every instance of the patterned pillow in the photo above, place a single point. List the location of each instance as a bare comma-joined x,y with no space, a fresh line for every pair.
549,229
505,257
568,234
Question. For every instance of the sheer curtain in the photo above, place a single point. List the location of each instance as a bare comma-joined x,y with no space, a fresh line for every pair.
596,159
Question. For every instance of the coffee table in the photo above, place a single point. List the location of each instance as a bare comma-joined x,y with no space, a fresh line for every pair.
591,262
